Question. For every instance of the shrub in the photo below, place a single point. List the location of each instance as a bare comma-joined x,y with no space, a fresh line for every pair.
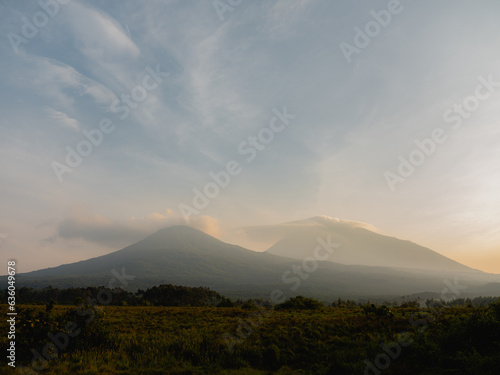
495,307
86,324
300,303
379,311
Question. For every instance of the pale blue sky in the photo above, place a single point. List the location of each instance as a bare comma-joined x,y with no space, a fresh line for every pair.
225,77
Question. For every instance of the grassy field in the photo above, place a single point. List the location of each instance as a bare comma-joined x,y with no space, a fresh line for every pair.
209,340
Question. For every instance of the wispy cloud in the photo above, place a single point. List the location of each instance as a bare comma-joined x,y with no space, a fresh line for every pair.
61,83
63,119
103,38
281,16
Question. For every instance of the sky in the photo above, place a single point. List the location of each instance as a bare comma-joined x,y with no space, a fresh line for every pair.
119,118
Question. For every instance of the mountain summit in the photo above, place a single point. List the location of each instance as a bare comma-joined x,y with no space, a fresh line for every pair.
359,245
178,254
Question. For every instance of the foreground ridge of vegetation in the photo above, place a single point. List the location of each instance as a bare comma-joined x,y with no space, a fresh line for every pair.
298,336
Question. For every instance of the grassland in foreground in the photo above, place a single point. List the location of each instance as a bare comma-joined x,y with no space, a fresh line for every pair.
210,340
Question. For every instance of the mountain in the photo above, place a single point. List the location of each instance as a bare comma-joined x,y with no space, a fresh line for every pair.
178,254
185,256
359,246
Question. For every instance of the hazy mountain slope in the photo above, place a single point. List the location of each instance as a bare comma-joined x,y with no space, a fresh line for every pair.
174,252
185,256
359,246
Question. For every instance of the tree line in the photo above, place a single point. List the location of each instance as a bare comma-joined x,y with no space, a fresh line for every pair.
175,295
162,295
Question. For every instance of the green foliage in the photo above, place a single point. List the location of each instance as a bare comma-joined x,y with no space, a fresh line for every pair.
298,340
410,303
495,307
378,310
162,295
300,303
464,341
248,305
174,295
225,302
82,327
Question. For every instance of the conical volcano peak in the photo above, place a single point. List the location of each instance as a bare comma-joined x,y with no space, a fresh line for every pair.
179,236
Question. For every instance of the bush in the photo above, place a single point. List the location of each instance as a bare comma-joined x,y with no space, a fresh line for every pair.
495,307
226,302
83,327
300,303
378,311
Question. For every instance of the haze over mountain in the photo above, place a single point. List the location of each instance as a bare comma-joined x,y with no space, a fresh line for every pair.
360,246
186,256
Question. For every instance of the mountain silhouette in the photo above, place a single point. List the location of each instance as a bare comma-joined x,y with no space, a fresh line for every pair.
183,255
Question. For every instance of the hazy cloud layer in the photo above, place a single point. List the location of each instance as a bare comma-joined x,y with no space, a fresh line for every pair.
81,224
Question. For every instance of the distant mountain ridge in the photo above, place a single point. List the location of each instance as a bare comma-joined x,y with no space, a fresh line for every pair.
360,246
186,256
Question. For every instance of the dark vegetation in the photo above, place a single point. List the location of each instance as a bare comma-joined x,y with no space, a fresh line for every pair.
300,303
298,336
163,295
175,295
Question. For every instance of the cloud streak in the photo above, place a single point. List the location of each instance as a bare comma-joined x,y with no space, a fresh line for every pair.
63,119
